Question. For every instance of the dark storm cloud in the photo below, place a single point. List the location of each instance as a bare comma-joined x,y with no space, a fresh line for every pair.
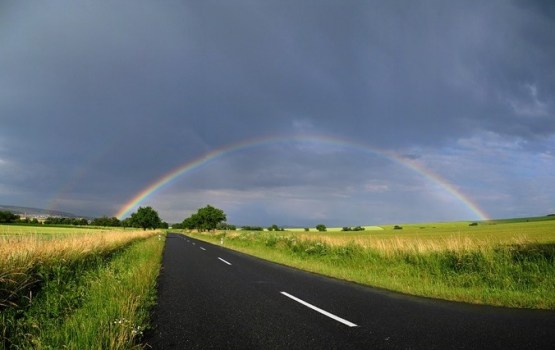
98,99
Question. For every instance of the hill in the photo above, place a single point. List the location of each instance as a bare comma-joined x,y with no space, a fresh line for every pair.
36,211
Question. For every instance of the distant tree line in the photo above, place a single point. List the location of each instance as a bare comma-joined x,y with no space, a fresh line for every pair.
252,228
145,218
51,220
106,221
357,228
33,221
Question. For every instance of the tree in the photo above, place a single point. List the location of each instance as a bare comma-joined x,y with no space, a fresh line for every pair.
127,222
178,226
321,227
8,216
205,219
225,226
106,221
209,217
252,228
146,218
191,222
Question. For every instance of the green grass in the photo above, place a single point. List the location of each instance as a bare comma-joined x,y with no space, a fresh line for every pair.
509,263
92,292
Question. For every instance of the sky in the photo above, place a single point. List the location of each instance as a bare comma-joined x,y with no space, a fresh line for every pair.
297,112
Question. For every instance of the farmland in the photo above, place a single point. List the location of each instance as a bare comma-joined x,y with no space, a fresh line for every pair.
93,287
76,287
505,262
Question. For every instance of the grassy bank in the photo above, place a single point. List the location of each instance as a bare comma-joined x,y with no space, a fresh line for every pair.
510,264
77,291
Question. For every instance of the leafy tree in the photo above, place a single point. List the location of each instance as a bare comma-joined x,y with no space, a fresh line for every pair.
127,222
178,226
321,227
146,218
8,216
206,219
191,222
209,217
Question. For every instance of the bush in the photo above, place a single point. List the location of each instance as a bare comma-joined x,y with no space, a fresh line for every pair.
358,228
252,228
397,227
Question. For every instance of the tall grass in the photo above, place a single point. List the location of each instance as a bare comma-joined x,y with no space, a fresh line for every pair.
26,260
45,278
516,273
115,308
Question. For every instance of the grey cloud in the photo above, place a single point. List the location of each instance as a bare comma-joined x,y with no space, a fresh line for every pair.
106,97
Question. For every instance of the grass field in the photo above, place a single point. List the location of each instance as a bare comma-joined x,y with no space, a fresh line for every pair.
505,262
76,288
444,236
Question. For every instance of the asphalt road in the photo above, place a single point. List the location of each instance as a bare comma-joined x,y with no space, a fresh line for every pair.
214,298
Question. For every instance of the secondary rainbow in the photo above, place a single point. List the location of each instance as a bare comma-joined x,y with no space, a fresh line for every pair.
215,154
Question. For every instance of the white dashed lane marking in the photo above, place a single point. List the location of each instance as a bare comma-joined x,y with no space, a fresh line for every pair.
323,312
227,262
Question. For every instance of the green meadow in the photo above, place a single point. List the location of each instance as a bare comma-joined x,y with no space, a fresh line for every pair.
507,263
76,288
88,288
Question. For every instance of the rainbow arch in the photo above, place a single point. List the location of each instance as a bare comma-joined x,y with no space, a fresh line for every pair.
226,150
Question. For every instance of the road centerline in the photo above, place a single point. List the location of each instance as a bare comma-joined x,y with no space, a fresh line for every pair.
227,262
323,312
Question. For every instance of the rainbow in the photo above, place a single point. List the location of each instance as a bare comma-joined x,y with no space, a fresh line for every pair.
224,151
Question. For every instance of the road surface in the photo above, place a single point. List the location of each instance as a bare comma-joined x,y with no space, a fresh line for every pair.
214,298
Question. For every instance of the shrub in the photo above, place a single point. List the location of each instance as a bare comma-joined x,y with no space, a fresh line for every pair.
252,228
